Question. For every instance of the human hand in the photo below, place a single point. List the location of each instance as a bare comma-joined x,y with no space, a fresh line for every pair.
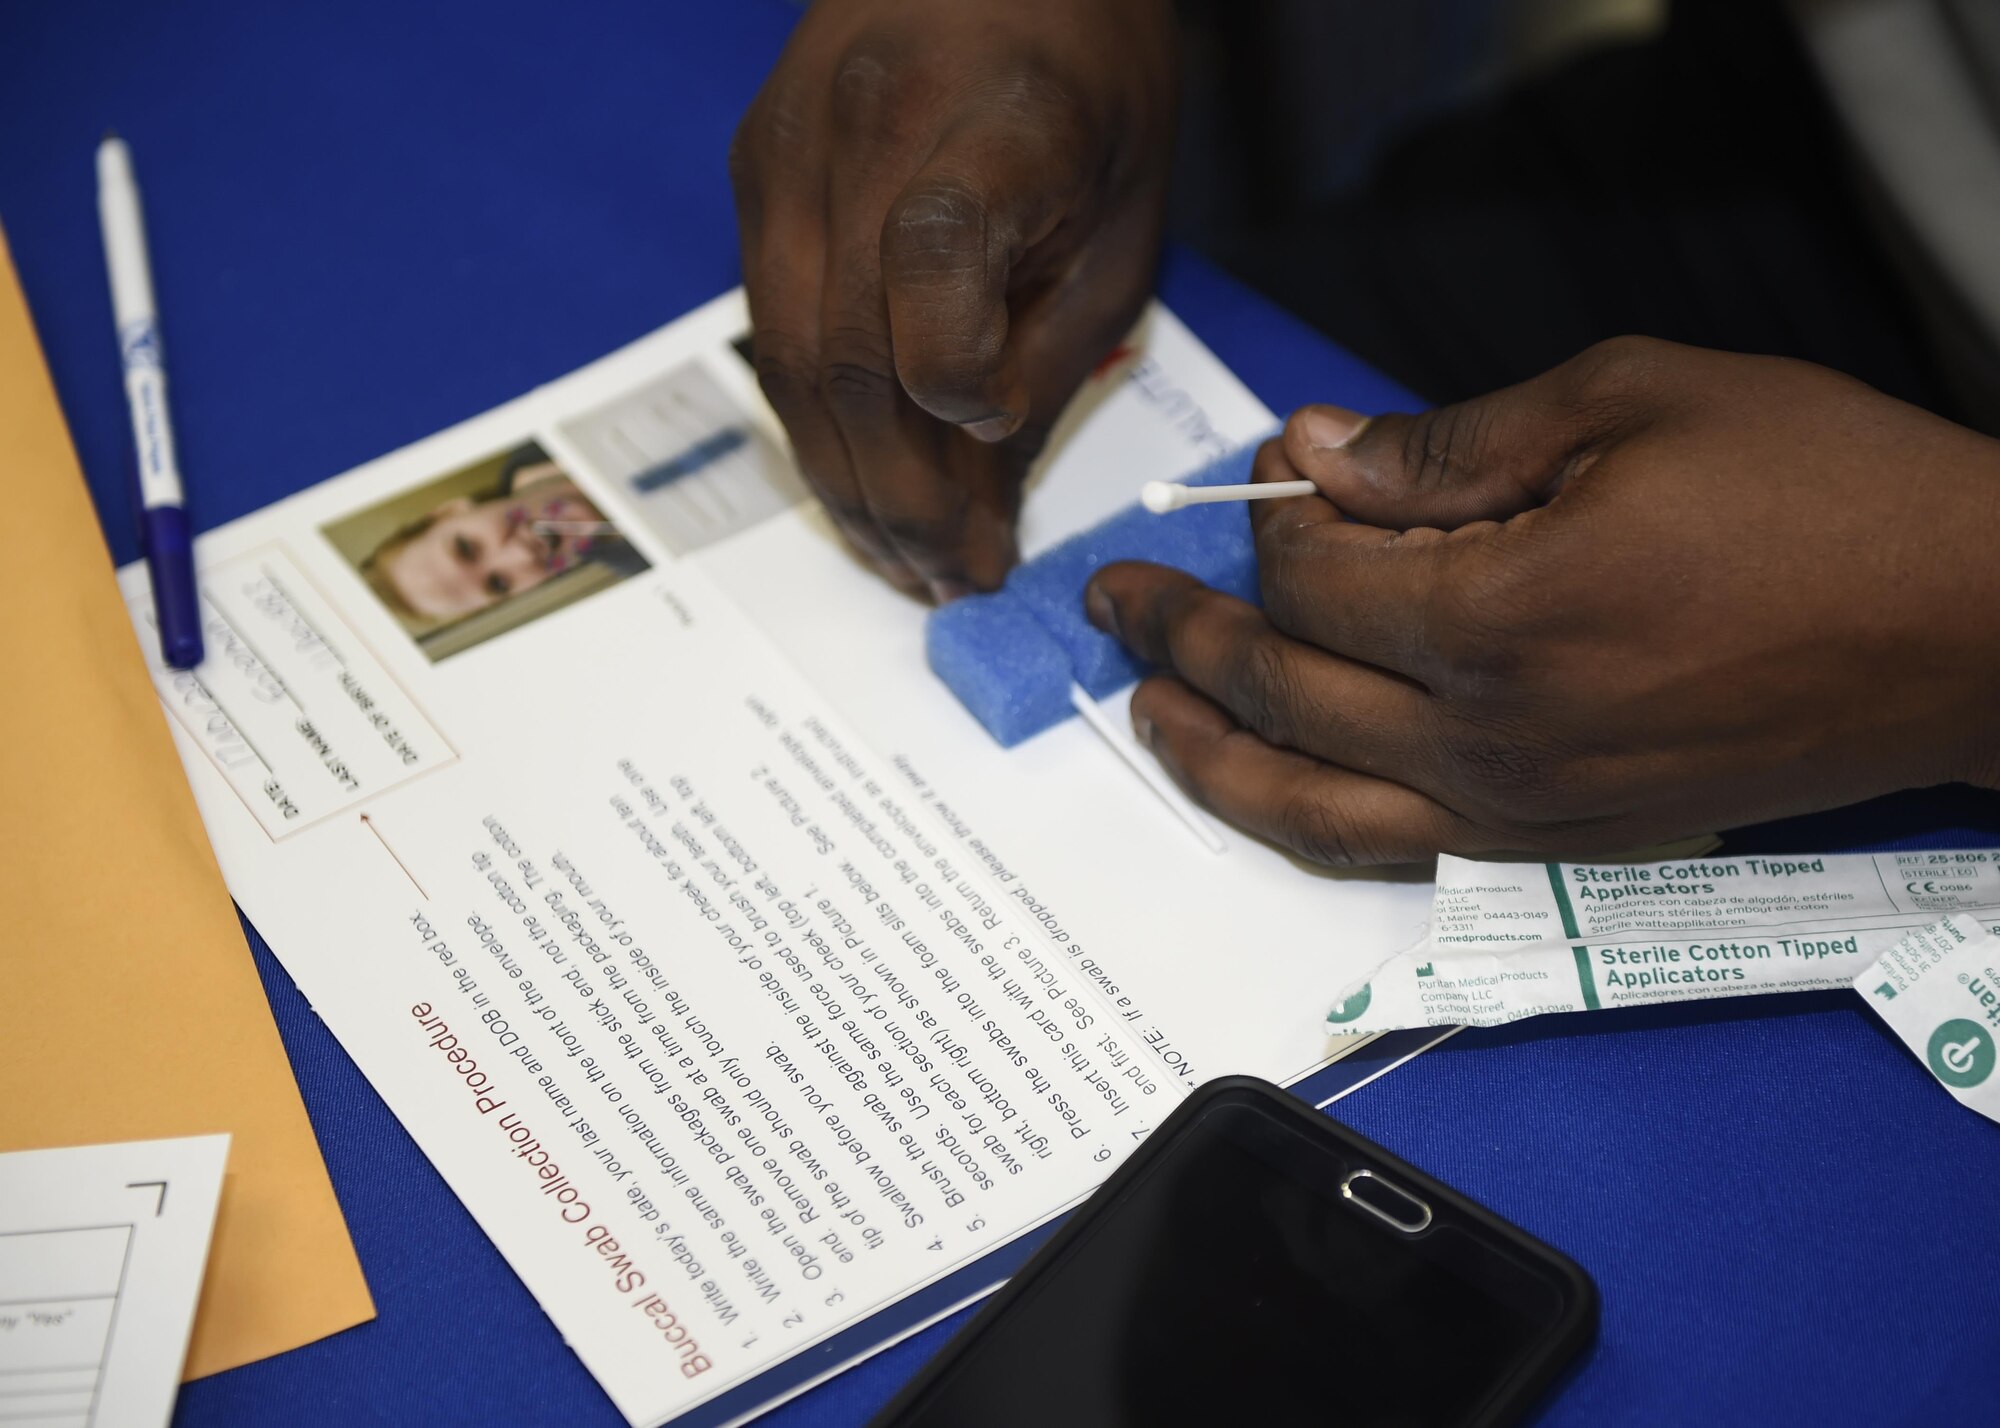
949,215
1655,592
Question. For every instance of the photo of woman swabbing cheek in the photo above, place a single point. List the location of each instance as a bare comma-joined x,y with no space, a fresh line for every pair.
470,553
470,541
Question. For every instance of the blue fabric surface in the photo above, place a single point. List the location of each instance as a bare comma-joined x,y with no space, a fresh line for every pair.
370,222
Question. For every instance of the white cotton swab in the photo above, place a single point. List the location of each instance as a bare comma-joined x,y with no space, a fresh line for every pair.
1159,497
1136,759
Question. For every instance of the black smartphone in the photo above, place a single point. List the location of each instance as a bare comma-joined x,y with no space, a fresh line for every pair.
1257,1262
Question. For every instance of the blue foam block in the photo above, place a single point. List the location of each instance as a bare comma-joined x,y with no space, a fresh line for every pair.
1211,543
1002,663
1010,656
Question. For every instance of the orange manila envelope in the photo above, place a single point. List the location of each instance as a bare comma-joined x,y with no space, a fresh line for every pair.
129,1006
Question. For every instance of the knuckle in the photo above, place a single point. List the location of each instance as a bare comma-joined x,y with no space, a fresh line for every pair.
850,386
1616,364
774,133
1312,826
1025,96
1262,684
1441,447
868,88
786,369
941,223
857,372
1612,385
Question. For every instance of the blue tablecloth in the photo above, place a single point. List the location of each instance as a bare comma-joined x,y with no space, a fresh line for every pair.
372,221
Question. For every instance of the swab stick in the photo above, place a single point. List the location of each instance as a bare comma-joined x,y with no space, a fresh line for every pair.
1143,765
1159,497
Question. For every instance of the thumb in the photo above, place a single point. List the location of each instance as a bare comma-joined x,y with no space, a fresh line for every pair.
994,188
1480,460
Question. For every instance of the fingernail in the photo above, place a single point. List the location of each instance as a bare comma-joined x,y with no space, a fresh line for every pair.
1330,428
1097,604
946,591
1142,729
996,428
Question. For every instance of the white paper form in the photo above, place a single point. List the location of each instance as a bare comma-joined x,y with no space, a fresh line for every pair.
1075,832
745,992
102,1249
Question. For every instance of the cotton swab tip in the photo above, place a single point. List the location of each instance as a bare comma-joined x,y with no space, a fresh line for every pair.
1159,497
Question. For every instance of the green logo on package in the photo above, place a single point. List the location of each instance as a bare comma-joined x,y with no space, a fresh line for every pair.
1961,1053
1358,1003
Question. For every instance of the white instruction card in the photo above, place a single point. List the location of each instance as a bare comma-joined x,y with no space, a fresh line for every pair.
747,994
1510,940
102,1249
